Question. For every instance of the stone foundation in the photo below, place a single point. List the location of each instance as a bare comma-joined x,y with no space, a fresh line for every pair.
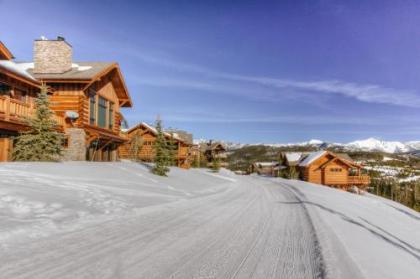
76,150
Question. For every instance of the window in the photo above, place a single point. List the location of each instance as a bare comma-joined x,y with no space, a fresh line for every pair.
111,115
92,115
19,95
335,169
4,89
102,112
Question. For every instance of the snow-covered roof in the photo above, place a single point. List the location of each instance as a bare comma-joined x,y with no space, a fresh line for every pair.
312,157
266,164
154,131
17,68
293,156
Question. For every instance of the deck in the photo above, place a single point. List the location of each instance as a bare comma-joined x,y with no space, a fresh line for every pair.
16,112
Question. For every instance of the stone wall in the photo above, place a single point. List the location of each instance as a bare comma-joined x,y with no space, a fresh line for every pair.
52,56
76,150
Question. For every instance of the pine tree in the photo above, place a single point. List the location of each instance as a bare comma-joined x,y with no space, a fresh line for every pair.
172,150
215,165
42,142
161,151
136,143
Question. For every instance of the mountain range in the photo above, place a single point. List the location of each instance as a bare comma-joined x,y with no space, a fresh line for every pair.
370,144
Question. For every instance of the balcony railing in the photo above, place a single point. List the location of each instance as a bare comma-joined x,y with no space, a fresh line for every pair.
17,111
359,180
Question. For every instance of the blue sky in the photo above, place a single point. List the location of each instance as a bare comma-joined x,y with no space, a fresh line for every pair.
248,71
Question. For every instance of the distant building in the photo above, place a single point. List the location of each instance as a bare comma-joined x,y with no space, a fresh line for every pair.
266,168
148,134
214,151
327,168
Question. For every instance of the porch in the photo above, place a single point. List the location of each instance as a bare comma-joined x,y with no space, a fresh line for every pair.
15,112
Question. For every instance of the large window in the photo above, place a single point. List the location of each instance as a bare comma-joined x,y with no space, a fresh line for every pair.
4,89
102,112
111,115
92,114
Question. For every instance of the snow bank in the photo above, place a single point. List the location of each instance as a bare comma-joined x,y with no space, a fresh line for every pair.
381,236
39,199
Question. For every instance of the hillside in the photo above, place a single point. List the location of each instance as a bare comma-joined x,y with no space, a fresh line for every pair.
117,220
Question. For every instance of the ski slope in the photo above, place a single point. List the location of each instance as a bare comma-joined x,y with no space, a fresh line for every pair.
117,220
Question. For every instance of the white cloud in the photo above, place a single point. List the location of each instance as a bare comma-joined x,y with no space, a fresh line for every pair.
368,93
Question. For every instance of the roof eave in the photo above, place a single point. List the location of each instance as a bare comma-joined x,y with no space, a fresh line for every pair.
5,52
14,75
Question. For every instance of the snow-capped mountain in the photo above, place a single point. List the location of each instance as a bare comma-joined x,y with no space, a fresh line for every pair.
372,144
414,145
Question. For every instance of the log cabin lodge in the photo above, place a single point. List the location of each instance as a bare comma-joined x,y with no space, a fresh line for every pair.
327,168
182,145
85,96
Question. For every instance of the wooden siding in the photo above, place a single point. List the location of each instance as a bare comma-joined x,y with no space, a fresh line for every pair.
147,153
335,174
330,170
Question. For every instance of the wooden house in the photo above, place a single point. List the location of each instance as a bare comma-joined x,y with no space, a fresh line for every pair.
266,168
327,168
148,134
18,90
89,95
214,151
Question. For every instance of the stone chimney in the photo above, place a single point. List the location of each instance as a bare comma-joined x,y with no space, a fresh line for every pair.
52,56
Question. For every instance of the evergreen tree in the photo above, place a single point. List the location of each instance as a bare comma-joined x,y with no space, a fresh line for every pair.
172,150
42,142
215,165
293,174
195,162
136,143
161,151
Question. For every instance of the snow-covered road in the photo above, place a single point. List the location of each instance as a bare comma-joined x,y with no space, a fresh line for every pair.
81,220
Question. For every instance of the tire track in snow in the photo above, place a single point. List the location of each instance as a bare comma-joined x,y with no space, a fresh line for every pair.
239,233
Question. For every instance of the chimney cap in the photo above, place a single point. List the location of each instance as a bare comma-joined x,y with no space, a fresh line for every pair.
59,39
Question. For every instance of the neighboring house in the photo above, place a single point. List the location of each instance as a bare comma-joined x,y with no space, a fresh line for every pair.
18,90
327,168
181,139
196,154
214,151
88,95
266,168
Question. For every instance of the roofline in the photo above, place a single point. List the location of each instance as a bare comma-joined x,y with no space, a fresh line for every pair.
148,127
34,83
6,51
333,160
106,71
336,157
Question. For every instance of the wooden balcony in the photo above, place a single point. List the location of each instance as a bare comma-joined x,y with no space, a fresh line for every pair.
16,111
359,180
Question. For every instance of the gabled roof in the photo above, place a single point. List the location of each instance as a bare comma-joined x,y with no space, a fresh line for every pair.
334,160
211,146
153,130
88,73
292,158
312,157
83,71
5,53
